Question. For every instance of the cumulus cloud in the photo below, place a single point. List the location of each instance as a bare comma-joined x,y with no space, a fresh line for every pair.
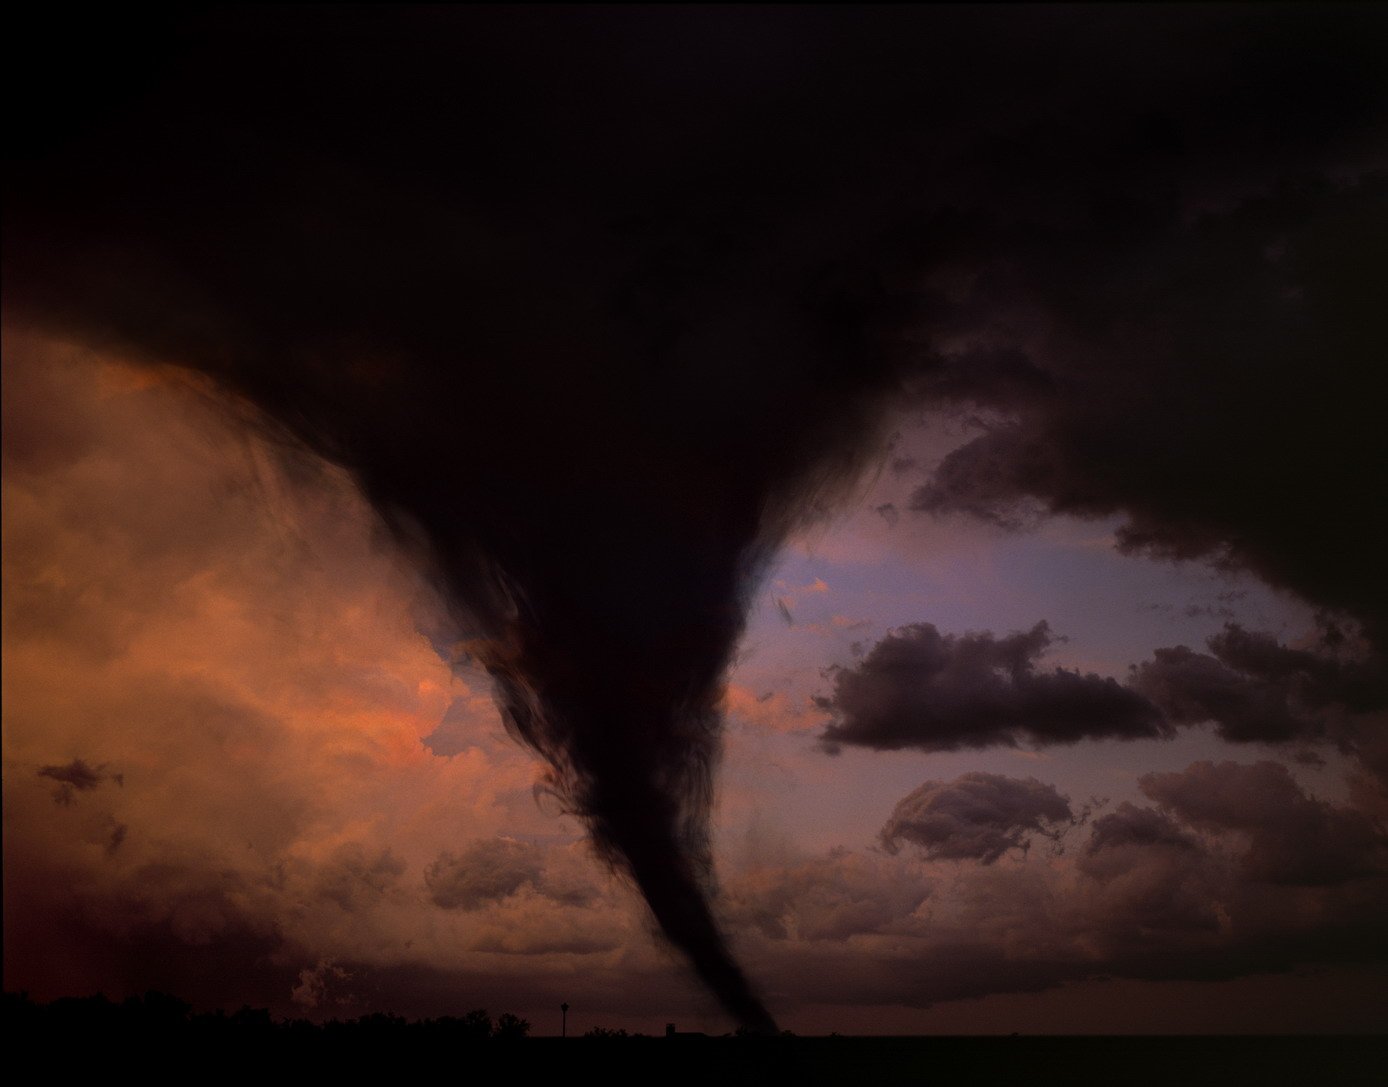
918,688
1131,826
942,692
976,817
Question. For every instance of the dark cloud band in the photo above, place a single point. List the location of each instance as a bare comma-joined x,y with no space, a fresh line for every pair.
943,692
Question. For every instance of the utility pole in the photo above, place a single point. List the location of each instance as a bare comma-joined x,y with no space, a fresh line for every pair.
564,1022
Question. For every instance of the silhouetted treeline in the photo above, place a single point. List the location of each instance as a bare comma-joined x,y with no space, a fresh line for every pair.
167,1016
160,1038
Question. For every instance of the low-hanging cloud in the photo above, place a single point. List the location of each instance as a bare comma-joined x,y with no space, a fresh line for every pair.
943,692
1129,825
976,817
1292,838
1188,889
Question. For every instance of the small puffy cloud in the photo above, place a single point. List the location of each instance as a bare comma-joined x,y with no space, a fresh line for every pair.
322,985
1292,838
1144,828
976,817
942,692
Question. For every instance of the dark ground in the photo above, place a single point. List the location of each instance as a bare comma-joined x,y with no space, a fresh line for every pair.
157,1039
959,1062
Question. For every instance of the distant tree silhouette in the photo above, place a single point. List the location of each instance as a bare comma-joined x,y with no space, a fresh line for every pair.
476,1024
511,1026
160,1016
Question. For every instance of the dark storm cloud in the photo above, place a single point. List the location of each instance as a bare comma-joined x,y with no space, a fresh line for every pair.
1201,373
976,817
942,692
1293,838
77,777
596,304
918,688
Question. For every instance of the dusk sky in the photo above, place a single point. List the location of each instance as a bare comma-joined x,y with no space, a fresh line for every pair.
870,519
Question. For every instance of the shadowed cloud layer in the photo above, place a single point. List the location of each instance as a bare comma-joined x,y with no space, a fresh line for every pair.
1255,328
1292,838
1198,889
1255,689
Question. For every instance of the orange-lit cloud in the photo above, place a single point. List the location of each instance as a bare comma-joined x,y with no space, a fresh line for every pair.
231,643
775,710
